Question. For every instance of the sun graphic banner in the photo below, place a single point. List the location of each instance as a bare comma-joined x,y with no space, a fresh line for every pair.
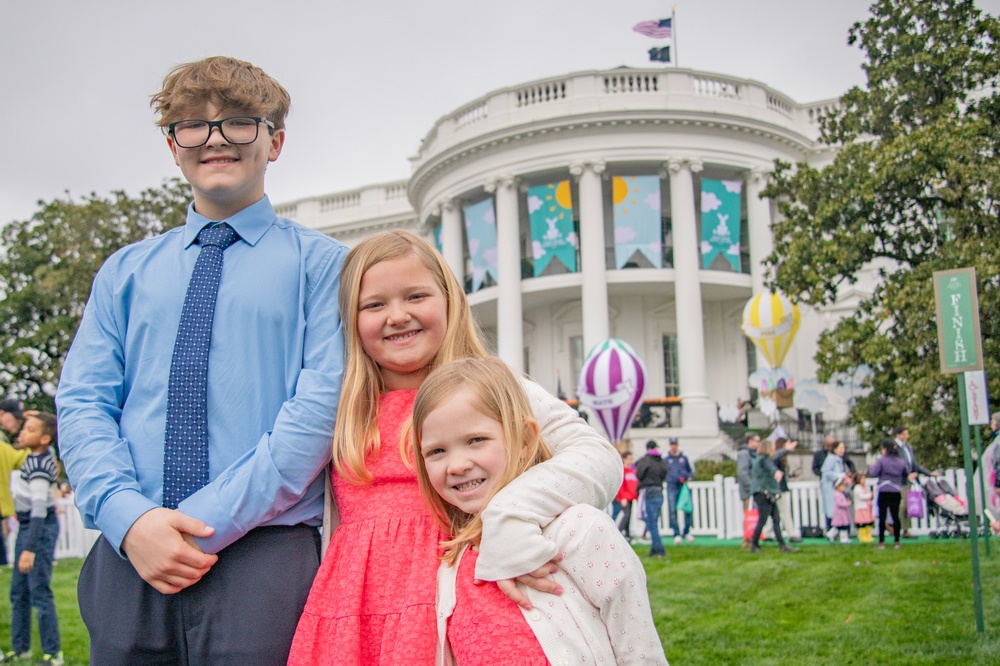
720,221
481,233
550,208
637,219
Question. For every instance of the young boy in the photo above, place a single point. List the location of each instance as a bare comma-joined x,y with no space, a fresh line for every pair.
36,543
206,481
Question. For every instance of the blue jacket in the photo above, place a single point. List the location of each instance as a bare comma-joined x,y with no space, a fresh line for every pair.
678,467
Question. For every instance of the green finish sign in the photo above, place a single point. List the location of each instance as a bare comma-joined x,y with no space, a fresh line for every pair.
957,305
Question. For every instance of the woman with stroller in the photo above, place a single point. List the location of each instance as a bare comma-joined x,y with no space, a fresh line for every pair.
889,472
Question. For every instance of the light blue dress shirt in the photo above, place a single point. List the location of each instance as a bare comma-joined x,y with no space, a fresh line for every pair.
275,368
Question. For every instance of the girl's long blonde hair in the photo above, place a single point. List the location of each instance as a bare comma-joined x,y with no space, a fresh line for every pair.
356,433
497,394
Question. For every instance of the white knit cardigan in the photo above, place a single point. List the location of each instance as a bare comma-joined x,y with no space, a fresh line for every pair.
603,615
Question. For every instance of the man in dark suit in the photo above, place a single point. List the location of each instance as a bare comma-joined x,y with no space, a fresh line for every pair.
902,435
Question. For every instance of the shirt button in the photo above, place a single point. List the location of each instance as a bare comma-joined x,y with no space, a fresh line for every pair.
535,615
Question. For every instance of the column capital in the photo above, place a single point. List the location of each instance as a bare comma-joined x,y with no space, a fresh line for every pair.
758,175
675,164
502,181
444,205
597,166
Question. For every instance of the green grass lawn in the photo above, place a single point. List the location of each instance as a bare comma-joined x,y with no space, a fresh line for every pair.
714,603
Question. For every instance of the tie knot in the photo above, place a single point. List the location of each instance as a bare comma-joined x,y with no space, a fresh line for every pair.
221,236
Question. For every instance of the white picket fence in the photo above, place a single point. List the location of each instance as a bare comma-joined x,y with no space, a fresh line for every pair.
74,540
718,510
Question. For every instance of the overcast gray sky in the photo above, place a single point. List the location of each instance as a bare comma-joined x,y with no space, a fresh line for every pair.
367,79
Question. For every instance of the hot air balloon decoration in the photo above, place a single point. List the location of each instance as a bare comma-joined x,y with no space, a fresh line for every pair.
771,321
611,384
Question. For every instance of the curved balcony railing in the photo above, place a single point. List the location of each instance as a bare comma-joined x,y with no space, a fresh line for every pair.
663,92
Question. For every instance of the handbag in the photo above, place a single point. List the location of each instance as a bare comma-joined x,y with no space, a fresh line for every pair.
915,502
749,523
684,500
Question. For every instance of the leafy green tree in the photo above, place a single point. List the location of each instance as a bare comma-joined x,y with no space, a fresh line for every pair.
913,189
49,262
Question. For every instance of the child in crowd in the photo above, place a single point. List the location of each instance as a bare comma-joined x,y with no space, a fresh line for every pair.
841,511
473,434
372,602
35,547
863,517
622,506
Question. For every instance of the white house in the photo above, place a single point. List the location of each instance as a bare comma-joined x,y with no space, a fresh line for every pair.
545,182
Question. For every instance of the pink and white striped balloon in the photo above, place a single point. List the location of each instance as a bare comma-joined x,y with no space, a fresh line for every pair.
611,384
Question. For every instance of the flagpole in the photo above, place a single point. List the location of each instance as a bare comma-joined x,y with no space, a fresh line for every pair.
673,25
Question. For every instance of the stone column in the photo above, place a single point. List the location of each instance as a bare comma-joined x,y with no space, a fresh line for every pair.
451,238
759,226
593,267
759,231
510,330
699,412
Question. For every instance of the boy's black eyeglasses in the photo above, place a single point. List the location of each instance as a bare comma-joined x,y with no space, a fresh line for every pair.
237,130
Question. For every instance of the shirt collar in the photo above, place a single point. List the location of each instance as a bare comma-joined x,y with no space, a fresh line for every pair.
250,223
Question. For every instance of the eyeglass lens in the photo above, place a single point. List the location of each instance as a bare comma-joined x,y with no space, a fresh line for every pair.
237,130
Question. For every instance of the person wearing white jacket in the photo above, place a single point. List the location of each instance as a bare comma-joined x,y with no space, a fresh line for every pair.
472,433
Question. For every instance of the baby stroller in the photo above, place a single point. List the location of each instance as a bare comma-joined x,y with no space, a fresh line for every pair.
950,509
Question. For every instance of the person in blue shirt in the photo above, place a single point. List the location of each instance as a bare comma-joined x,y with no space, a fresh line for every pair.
679,471
223,577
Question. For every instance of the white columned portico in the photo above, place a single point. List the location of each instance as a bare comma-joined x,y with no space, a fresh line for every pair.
510,330
451,238
593,268
699,412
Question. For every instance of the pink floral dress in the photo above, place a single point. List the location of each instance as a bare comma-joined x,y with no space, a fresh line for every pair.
372,602
486,624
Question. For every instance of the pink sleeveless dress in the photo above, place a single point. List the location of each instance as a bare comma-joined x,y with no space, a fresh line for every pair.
487,628
372,603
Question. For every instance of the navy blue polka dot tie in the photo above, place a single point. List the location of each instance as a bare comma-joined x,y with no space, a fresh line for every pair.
185,454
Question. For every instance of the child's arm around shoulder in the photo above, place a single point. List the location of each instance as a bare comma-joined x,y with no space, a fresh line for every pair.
585,469
611,578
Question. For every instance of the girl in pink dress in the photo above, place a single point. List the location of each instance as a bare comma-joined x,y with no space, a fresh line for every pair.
372,602
473,434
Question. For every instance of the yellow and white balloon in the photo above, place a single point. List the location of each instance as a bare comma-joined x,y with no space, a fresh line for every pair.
771,320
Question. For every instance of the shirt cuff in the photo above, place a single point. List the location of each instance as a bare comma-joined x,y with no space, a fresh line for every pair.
118,514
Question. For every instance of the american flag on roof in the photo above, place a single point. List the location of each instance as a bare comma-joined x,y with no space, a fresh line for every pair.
661,29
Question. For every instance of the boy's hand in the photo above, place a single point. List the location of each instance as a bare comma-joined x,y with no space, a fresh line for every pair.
161,547
537,580
26,562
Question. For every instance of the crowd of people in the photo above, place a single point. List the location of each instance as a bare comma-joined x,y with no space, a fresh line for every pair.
847,502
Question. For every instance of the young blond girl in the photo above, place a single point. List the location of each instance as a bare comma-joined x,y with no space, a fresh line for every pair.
372,602
863,516
841,510
473,435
